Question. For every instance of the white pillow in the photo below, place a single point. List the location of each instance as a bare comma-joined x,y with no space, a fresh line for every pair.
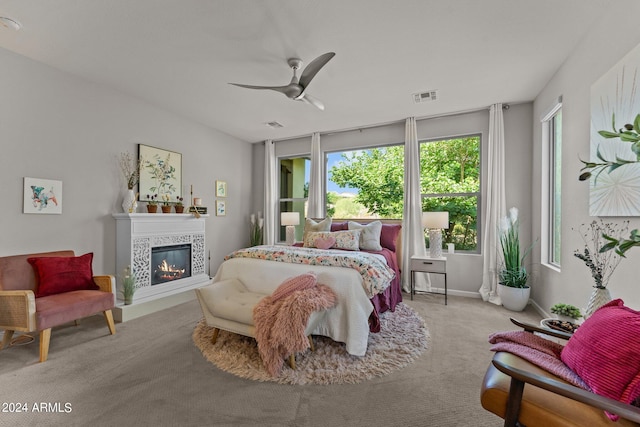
311,226
370,236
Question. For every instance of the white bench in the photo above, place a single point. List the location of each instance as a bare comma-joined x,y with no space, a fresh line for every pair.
228,305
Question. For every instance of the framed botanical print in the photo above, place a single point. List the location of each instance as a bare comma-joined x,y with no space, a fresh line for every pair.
221,207
221,189
160,173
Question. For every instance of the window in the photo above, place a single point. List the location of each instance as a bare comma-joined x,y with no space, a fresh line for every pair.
552,173
450,182
366,183
294,190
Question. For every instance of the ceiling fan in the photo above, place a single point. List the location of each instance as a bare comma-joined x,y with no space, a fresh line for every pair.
297,88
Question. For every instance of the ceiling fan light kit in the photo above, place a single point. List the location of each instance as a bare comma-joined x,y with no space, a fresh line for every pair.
10,23
296,89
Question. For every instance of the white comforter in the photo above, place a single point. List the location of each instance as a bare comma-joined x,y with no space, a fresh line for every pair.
347,322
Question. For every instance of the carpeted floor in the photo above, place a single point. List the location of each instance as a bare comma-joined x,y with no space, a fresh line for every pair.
151,374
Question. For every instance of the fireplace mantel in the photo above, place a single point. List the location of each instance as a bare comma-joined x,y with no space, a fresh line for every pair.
138,233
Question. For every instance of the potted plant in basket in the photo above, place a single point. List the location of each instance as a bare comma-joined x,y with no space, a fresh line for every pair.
512,277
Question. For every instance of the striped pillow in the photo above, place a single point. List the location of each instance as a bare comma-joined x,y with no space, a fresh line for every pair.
604,352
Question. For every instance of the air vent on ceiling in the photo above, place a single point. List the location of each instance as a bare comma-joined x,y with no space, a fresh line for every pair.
430,95
274,125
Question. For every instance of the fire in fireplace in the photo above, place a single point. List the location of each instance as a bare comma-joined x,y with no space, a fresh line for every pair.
170,263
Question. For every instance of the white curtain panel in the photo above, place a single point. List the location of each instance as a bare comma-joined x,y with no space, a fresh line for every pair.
316,208
270,193
412,233
495,207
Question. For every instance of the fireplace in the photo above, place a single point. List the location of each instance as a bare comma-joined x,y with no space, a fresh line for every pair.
170,263
166,252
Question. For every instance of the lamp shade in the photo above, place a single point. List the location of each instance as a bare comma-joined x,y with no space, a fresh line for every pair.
435,220
290,218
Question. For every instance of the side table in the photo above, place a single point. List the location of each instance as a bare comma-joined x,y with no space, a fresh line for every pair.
427,264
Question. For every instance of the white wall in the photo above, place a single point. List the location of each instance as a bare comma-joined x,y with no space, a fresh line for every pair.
609,39
56,126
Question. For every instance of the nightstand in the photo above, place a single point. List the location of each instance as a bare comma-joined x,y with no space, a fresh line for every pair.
426,264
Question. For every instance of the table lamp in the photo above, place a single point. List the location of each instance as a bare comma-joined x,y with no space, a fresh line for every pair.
435,222
290,219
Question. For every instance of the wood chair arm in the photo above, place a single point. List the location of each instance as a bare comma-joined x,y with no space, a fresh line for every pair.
106,283
533,328
18,311
519,377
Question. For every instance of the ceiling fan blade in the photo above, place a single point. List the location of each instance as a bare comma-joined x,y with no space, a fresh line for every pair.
312,69
281,89
305,97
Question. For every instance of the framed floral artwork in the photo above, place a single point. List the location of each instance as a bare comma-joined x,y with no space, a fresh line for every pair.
221,189
221,207
42,196
160,173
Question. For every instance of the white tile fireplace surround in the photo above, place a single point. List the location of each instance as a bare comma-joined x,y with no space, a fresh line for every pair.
136,237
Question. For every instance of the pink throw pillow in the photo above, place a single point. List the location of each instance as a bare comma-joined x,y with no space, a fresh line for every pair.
325,242
604,352
56,275
292,284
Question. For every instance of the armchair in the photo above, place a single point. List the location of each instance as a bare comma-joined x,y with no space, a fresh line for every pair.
22,310
547,400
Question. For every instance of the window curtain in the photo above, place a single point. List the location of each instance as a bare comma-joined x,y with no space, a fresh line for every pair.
495,207
315,208
412,232
270,193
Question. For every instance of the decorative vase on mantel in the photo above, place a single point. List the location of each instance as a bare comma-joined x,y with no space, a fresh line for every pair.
599,297
130,202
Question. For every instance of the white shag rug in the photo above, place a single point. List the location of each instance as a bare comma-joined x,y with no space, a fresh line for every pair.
402,338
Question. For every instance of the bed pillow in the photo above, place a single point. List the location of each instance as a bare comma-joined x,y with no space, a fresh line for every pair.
292,284
348,239
56,275
389,236
313,226
369,236
604,352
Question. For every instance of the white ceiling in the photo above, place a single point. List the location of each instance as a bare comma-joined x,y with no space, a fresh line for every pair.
180,55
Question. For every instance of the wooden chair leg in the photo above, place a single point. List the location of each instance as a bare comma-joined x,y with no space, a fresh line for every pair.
311,345
513,403
77,322
292,361
45,337
108,315
214,338
6,339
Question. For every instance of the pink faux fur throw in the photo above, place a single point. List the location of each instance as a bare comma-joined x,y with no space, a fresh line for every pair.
280,324
540,351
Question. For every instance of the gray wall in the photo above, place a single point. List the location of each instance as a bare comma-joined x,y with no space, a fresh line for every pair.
465,270
609,39
56,126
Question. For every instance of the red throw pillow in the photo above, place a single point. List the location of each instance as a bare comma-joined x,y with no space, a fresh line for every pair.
56,275
296,283
604,352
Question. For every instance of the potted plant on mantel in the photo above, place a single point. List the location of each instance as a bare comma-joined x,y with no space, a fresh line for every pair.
166,203
152,203
512,277
179,207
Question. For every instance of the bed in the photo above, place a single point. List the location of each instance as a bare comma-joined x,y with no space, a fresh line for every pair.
366,281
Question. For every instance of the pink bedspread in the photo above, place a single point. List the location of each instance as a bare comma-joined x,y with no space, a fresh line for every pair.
541,352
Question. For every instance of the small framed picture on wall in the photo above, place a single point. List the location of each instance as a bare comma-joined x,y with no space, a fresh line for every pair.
221,188
221,207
